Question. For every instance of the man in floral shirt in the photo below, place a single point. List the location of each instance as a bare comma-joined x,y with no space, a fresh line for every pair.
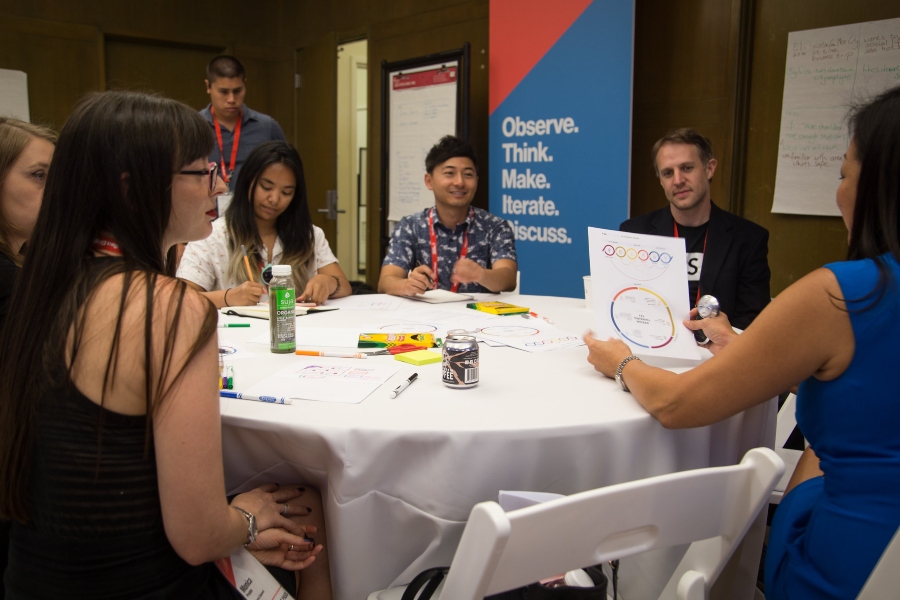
452,245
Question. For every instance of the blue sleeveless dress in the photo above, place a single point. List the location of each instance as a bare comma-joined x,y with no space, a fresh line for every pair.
829,531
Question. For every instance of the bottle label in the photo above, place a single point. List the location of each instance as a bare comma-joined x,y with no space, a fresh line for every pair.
282,320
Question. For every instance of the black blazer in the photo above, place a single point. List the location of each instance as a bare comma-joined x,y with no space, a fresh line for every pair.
735,265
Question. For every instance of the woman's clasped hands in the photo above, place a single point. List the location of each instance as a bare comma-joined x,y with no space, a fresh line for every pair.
284,540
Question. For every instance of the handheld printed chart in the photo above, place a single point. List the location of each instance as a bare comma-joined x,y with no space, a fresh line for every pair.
640,292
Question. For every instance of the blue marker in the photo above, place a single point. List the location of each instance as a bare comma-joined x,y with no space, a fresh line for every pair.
242,396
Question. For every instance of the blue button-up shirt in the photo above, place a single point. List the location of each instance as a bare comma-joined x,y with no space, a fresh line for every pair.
490,239
256,128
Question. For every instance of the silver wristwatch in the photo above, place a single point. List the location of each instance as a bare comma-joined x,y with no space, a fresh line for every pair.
251,524
622,364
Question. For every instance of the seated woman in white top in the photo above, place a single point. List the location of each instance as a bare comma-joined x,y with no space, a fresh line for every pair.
269,217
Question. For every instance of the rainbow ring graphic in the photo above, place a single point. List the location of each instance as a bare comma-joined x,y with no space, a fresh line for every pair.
641,255
670,325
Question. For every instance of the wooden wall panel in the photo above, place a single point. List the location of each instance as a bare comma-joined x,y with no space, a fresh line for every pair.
685,72
62,60
173,70
798,244
427,33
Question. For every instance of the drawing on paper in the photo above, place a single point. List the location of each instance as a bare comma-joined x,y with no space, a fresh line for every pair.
640,264
642,317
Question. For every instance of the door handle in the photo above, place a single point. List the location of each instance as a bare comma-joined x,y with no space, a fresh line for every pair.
331,210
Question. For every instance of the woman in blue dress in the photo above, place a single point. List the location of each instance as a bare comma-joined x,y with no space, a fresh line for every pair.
836,331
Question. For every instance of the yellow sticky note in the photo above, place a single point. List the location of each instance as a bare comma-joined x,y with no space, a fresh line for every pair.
419,357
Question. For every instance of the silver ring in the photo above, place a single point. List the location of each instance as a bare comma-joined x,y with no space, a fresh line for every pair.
285,509
292,548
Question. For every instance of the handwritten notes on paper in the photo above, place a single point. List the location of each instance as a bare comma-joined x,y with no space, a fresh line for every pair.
422,111
826,71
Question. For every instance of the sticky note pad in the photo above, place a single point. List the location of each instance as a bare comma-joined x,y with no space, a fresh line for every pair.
419,357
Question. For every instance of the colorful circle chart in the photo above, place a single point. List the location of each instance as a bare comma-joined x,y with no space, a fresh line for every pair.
642,317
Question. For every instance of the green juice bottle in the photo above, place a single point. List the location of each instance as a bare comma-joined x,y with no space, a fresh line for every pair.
281,311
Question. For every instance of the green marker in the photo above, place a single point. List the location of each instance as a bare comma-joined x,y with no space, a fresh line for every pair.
229,325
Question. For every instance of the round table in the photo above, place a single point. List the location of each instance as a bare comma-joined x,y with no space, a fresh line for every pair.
398,476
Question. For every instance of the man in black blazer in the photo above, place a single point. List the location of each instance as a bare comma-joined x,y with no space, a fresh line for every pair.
727,255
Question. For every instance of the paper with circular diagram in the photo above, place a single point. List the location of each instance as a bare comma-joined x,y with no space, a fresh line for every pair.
640,292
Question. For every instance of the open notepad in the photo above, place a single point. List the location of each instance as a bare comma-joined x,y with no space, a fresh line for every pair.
261,311
440,296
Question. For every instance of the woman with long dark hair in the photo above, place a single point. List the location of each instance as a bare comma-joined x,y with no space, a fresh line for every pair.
110,438
836,331
269,219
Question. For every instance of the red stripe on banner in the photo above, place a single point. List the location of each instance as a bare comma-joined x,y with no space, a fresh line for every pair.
521,33
422,79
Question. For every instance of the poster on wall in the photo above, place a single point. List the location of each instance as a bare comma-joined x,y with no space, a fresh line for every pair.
422,111
826,72
560,131
14,95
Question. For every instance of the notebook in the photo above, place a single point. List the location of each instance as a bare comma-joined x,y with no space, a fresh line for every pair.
440,296
261,311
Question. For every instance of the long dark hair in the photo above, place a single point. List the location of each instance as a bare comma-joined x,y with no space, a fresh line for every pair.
294,226
875,132
112,172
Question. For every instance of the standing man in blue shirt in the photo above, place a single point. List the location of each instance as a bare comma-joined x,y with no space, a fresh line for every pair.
452,245
237,128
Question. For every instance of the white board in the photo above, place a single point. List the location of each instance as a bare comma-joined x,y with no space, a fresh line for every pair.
826,71
422,111
14,95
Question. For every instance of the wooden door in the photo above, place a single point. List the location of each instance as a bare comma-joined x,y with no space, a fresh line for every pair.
316,133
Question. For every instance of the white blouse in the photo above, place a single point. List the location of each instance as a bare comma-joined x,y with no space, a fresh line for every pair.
205,261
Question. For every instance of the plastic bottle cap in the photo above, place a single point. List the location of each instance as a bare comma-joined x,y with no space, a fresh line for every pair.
282,270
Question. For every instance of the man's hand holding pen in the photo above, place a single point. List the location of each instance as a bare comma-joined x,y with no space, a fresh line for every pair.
420,279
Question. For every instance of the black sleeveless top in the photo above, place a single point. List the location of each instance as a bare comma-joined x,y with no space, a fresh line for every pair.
96,527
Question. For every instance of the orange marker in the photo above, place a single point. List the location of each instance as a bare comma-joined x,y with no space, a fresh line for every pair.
247,263
331,354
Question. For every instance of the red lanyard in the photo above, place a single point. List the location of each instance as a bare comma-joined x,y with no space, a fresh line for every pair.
705,236
226,173
106,243
434,252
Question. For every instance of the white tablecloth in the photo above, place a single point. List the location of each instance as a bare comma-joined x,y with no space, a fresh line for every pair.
399,476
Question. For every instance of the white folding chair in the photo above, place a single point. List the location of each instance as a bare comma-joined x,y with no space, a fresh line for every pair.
884,580
784,426
713,508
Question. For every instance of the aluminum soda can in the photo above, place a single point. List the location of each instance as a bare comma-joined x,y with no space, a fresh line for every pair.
459,367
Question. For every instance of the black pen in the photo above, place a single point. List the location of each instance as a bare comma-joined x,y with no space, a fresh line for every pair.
403,386
430,280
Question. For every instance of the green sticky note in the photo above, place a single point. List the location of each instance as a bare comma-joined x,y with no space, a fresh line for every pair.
419,357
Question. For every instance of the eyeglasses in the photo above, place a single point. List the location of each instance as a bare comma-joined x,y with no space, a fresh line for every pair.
213,172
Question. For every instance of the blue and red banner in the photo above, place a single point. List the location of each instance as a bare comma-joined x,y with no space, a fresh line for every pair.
560,130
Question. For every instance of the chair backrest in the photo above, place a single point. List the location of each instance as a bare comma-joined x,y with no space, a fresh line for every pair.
786,421
501,551
884,580
784,427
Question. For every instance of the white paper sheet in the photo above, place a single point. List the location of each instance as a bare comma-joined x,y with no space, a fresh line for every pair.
311,338
531,335
826,71
347,381
640,292
367,302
